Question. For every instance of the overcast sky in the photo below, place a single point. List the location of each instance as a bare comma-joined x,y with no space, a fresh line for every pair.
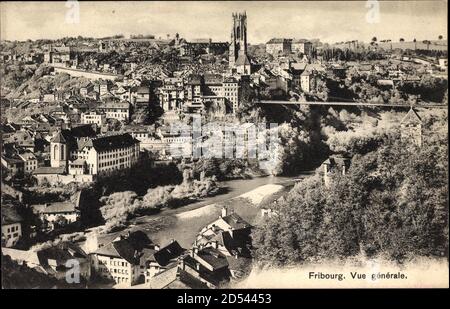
329,21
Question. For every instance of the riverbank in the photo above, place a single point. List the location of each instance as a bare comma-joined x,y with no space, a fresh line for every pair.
183,224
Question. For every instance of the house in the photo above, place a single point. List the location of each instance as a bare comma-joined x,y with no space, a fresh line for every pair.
411,128
46,174
142,97
55,261
58,259
48,98
229,234
174,278
86,88
335,164
120,260
94,95
15,166
7,130
171,94
104,87
276,46
386,83
231,91
307,81
93,117
119,111
57,214
11,226
443,63
79,155
208,265
103,154
161,259
30,161
23,139
123,93
301,46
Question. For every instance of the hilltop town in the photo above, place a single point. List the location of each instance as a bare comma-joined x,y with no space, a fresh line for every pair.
103,161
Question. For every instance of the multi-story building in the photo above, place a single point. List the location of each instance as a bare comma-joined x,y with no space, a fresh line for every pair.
301,46
104,87
172,94
194,91
86,88
11,226
14,166
214,89
307,81
120,260
231,92
93,117
119,111
162,259
29,160
229,234
59,55
101,155
142,96
58,213
276,46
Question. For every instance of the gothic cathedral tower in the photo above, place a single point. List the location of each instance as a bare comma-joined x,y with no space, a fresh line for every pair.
238,44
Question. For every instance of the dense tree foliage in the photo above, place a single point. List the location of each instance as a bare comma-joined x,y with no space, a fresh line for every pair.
350,55
119,207
393,202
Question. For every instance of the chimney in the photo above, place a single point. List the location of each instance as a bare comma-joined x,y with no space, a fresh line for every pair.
224,212
157,247
182,265
194,251
215,244
197,266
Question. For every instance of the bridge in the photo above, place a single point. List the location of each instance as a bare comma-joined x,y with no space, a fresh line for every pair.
358,104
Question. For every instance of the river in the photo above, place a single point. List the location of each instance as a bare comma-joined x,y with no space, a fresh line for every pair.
166,225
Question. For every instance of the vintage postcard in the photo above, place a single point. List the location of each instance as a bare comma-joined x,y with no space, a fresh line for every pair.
224,145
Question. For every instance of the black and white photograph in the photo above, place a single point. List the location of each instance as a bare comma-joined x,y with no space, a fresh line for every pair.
230,145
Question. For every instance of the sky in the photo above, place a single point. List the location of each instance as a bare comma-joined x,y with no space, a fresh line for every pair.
330,21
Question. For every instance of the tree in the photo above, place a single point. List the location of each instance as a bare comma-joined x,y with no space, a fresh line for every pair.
402,40
392,201
440,37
